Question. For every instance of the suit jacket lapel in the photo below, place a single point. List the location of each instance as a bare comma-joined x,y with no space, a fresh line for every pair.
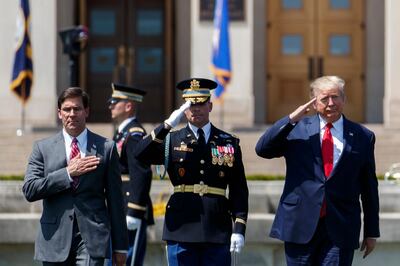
59,148
314,136
348,139
91,148
313,130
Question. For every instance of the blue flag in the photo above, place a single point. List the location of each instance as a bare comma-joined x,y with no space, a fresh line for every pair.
221,60
22,75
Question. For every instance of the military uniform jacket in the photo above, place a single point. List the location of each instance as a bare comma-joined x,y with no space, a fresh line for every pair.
136,176
198,217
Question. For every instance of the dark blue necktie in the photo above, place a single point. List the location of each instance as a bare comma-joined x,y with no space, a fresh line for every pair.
201,140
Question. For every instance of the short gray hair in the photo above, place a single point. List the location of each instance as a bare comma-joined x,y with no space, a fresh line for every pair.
327,82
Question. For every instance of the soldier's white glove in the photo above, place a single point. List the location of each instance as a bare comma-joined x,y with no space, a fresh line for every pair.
133,223
237,242
176,115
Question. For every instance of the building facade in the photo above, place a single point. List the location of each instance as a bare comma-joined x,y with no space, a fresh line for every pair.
277,47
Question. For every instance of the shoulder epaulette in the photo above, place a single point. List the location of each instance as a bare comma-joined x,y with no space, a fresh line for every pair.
174,130
225,135
236,137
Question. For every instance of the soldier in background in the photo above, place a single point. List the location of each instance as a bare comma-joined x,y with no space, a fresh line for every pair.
202,222
136,176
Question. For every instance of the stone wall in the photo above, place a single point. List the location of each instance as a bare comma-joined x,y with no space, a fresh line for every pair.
19,221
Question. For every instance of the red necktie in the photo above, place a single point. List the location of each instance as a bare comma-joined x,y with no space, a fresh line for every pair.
327,158
327,150
74,152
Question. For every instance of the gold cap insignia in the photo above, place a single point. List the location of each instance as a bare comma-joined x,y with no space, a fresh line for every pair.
195,84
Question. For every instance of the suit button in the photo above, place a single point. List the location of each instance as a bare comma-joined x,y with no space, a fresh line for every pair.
202,161
202,172
127,193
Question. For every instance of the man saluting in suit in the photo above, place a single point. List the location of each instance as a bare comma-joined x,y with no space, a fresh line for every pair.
329,163
76,174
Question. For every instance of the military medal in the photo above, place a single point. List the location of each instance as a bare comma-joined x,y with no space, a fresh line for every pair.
220,155
230,163
226,155
214,154
231,152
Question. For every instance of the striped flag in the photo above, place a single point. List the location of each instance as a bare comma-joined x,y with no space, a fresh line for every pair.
22,75
221,60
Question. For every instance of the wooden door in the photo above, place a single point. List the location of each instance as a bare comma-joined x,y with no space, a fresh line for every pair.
310,38
130,42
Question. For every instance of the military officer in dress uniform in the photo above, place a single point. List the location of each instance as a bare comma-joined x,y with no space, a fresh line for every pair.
136,176
203,222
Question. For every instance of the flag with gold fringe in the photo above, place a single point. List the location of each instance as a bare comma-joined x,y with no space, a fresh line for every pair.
22,75
221,61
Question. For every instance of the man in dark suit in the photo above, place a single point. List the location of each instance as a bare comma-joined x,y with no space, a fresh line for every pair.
202,223
76,174
136,176
330,163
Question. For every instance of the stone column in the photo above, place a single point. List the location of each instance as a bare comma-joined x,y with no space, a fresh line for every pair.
392,64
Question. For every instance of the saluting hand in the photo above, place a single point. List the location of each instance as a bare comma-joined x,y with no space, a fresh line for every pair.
176,115
301,111
79,166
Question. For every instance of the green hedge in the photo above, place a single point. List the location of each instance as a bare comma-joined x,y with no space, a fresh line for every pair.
257,177
11,177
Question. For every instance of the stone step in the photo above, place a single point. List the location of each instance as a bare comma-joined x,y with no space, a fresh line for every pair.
22,228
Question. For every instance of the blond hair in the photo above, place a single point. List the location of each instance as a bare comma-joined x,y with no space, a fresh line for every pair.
325,82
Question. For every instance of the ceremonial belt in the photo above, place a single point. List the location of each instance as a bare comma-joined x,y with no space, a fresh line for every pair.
125,178
200,189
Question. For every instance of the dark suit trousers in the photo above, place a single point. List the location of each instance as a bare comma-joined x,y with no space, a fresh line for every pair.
78,254
319,251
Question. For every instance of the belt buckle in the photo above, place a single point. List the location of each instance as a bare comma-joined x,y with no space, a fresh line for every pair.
200,189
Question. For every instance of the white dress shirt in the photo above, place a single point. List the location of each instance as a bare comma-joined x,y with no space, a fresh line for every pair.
206,129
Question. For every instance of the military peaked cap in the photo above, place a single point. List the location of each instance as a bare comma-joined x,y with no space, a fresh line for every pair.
123,92
196,90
